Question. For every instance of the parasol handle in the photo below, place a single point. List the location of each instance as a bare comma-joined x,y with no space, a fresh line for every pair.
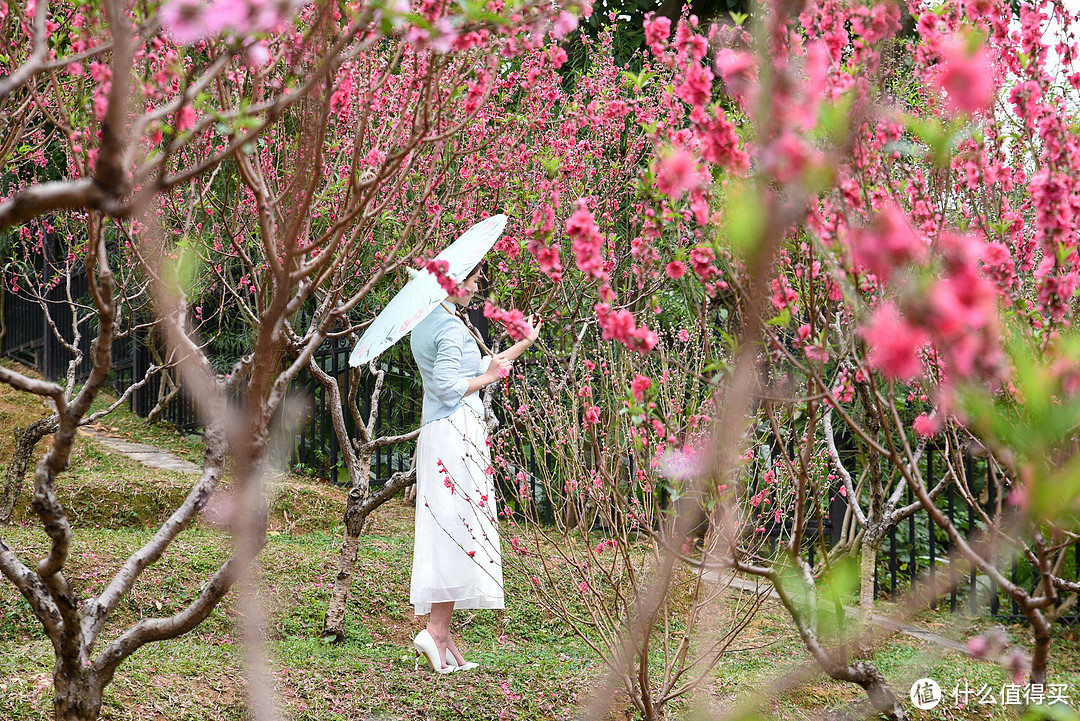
474,334
479,341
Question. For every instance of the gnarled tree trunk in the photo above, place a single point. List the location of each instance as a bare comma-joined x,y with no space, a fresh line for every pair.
868,554
77,693
360,502
357,508
334,628
861,673
26,440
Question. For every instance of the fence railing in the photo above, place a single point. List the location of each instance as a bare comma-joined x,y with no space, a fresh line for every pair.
29,338
317,448
917,554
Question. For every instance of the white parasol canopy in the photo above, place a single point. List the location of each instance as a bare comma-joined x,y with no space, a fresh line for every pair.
421,294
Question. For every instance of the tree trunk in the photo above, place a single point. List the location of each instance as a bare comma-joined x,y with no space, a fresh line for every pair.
26,441
355,515
334,629
358,507
862,673
867,566
1040,655
878,690
76,697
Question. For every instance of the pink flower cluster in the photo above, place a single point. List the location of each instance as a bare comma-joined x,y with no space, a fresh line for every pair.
966,77
639,385
513,320
894,343
957,313
588,242
620,325
189,21
676,172
888,243
927,426
439,269
546,255
960,311
447,481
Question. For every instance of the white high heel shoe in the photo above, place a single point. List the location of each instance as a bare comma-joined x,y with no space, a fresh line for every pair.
451,661
425,644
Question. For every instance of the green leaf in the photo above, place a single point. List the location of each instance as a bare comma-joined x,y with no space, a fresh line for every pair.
834,118
552,165
837,586
188,266
936,135
1056,712
782,319
743,223
638,80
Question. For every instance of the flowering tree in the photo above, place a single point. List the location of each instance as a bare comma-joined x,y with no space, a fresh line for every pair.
813,100
627,599
52,286
593,465
922,308
153,136
984,314
788,85
893,297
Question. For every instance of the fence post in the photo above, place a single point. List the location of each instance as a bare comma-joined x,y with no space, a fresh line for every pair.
970,472
913,567
476,317
837,510
53,355
140,364
931,528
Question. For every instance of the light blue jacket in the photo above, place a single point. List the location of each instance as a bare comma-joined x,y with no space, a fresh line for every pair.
448,358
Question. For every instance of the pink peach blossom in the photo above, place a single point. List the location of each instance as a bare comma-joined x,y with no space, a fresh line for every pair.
966,78
639,385
894,344
927,426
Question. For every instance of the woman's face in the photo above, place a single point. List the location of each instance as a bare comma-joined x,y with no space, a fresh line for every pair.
470,286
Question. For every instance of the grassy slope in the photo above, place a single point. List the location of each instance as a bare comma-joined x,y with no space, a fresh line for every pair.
533,668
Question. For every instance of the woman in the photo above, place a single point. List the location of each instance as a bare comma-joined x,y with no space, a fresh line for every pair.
457,562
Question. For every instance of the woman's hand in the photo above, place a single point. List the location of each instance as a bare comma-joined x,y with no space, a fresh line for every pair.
535,322
518,348
498,368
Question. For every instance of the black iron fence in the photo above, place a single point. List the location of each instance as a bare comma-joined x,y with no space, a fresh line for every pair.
29,337
917,554
316,446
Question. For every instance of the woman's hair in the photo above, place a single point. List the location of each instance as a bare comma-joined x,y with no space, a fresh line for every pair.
479,266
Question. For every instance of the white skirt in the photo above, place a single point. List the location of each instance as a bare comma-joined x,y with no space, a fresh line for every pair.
456,554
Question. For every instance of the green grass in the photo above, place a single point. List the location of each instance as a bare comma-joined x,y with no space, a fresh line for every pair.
533,667
196,677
